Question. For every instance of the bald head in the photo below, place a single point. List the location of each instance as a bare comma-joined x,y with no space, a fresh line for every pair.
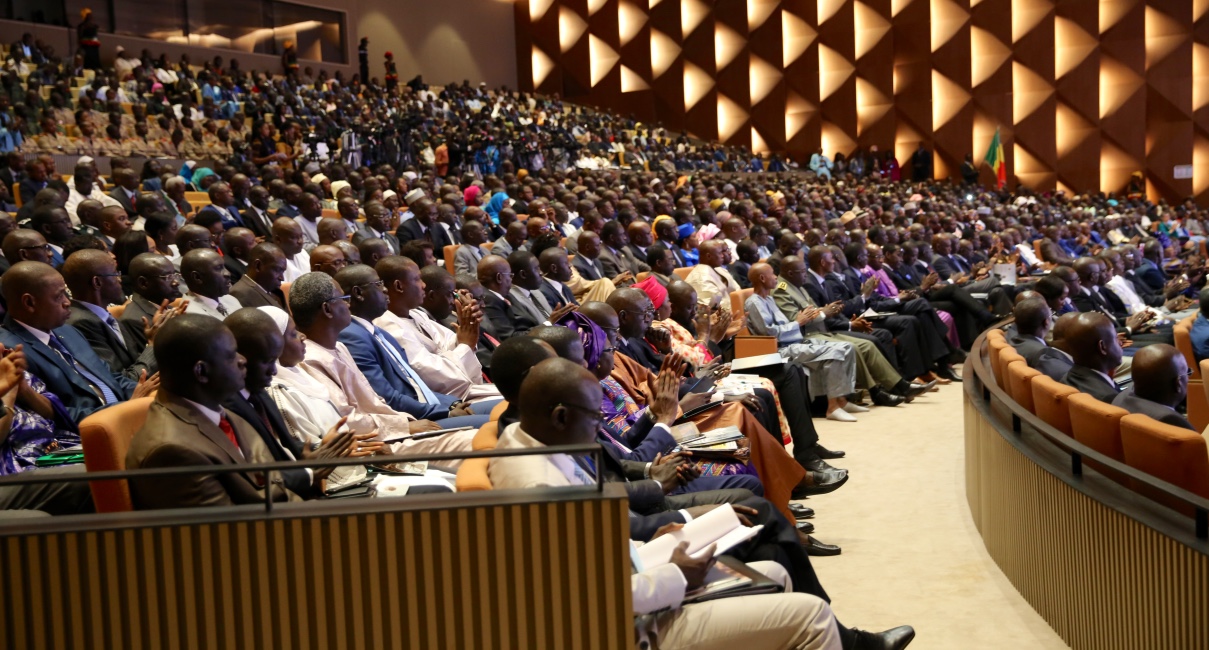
557,402
601,314
494,273
512,360
332,230
1160,374
1092,340
1032,317
563,340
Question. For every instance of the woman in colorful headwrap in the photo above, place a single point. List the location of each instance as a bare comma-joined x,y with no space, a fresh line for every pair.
470,197
688,243
86,36
498,202
199,179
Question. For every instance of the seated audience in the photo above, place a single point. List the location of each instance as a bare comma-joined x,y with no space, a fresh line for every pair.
1092,339
261,284
209,284
92,278
1160,384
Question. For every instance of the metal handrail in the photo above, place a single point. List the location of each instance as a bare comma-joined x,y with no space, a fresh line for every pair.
1077,451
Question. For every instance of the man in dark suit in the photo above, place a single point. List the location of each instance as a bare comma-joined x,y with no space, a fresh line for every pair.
1150,270
950,266
1089,294
59,355
1160,383
260,343
614,258
376,226
587,258
499,318
92,277
156,281
261,284
666,234
256,216
126,190
383,360
55,226
1033,319
222,202
424,226
13,172
188,426
34,182
556,272
237,244
1097,353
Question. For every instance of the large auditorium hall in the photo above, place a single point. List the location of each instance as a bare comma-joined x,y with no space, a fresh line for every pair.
604,324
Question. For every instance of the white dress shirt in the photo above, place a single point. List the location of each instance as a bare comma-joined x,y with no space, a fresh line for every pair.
199,304
297,266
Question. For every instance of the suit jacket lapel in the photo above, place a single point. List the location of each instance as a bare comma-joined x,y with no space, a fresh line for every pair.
211,431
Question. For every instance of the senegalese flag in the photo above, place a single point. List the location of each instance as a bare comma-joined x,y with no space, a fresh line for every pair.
995,159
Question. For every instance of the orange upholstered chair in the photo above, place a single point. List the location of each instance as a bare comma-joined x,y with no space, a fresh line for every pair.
1020,378
486,438
449,252
995,350
1198,400
1006,356
285,294
106,436
1204,368
996,335
472,475
498,410
1050,402
683,272
1098,425
1170,453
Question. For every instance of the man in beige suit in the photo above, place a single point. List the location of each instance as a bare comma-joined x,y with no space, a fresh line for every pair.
187,425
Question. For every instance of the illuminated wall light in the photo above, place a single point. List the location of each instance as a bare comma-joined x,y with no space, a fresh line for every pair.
1117,84
1072,46
602,58
798,112
1115,167
730,117
828,8
988,54
538,8
796,36
1029,92
632,81
653,4
1027,14
1200,75
834,140
727,45
869,27
595,6
630,20
834,70
570,28
664,51
692,12
1070,129
763,76
1163,35
906,140
948,98
1028,168
1199,9
758,144
1200,165
946,20
758,12
1111,13
871,105
898,5
542,66
696,84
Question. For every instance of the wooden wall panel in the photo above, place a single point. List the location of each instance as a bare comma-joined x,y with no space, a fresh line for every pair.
1083,92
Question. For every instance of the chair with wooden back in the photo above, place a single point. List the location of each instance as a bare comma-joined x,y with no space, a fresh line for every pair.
1167,452
1098,425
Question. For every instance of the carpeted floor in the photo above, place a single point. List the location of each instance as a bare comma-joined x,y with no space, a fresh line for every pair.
911,552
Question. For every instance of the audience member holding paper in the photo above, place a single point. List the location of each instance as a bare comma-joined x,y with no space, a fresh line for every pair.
559,406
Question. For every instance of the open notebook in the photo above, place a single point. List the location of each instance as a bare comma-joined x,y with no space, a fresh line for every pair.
720,526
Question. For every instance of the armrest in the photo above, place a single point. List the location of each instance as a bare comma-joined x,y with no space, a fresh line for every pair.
753,346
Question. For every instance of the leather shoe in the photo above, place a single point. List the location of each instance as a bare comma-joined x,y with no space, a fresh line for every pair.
893,639
817,548
946,372
916,390
819,465
886,398
800,511
805,527
825,453
821,483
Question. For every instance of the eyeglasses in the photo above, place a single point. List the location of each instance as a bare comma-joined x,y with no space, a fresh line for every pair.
107,275
169,276
381,284
593,413
345,298
44,247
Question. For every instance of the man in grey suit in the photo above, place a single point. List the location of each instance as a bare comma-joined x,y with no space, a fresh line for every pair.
92,277
261,285
156,281
1054,359
528,303
514,237
466,259
1092,339
1032,322
1160,382
586,261
376,226
188,426
615,258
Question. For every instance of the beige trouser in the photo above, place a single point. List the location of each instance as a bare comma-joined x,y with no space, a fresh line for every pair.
787,620
872,368
453,442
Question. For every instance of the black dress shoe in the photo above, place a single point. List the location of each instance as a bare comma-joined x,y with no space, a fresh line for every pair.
805,526
801,511
886,398
915,390
893,639
819,465
946,372
822,483
817,548
825,453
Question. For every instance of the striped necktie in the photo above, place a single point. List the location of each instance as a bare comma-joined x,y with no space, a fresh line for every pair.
103,391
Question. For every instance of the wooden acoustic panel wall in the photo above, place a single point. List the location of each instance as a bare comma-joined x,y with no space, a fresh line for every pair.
554,574
1084,92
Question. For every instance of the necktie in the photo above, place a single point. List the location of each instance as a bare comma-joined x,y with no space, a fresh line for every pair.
117,331
491,339
227,429
539,300
584,469
568,295
421,389
218,305
103,391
